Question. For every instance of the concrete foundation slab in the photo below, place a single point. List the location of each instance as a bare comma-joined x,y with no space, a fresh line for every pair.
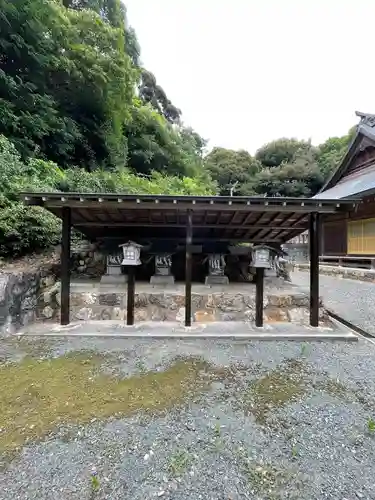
235,330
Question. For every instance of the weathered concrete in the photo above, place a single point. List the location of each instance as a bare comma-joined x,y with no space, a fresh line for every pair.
153,329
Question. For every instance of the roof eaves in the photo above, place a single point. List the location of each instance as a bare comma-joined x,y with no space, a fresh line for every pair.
363,130
335,176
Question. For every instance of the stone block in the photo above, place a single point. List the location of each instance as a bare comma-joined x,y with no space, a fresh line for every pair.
180,316
204,316
110,299
113,270
197,301
108,279
300,300
158,279
140,300
299,315
229,317
229,303
166,300
216,280
118,314
249,315
140,314
83,314
47,312
157,313
47,281
280,300
249,301
275,315
83,299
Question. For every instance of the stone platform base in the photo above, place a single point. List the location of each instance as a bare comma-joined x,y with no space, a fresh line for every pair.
113,279
234,302
161,280
216,280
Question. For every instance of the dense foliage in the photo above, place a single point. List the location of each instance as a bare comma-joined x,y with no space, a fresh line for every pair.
79,112
284,167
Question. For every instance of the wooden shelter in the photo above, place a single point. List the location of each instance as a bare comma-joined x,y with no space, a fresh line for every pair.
352,235
188,220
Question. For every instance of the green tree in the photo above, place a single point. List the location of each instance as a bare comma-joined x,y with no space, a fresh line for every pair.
228,167
331,152
299,178
155,145
151,93
280,151
66,83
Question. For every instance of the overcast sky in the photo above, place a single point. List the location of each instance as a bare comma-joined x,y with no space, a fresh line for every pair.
245,72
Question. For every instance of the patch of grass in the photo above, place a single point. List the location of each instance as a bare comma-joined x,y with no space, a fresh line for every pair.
335,388
371,426
270,481
275,390
217,429
38,395
179,462
303,350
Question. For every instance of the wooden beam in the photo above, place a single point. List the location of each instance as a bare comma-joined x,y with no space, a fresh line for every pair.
188,266
110,224
183,206
258,219
259,293
314,269
271,226
130,296
65,267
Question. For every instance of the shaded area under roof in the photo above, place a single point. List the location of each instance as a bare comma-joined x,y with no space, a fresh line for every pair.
145,218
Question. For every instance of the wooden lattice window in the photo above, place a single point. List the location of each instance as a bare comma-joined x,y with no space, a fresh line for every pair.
361,237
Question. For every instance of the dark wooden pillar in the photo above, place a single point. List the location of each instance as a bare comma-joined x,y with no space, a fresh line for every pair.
314,237
65,266
130,297
188,259
259,297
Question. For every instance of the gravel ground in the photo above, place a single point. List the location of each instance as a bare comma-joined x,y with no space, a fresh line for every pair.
351,299
278,420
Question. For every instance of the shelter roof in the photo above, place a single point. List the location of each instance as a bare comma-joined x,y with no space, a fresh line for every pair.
160,217
364,137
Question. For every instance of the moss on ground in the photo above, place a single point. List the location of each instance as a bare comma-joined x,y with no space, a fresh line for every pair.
39,394
275,390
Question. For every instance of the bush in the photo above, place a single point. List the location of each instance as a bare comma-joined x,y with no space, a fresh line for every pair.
28,229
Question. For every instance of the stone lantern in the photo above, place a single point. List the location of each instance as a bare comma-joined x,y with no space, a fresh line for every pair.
261,257
132,253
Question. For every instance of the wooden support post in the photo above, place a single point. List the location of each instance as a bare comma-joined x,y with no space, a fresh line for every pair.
314,230
65,266
188,259
259,297
130,297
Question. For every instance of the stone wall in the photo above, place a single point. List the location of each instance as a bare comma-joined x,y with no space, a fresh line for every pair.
87,261
101,305
342,272
19,297
29,287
